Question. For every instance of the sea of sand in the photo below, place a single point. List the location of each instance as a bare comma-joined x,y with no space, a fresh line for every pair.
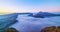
30,24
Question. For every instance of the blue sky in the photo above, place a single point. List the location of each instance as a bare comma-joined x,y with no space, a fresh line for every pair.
30,5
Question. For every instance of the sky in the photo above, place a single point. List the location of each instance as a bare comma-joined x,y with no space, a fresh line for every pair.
30,5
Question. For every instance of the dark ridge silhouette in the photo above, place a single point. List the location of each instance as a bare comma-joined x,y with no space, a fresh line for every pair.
43,15
24,13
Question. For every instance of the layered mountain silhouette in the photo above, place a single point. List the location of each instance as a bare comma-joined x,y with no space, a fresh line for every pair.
43,15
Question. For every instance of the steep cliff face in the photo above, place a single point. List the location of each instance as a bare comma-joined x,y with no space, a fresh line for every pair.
7,20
